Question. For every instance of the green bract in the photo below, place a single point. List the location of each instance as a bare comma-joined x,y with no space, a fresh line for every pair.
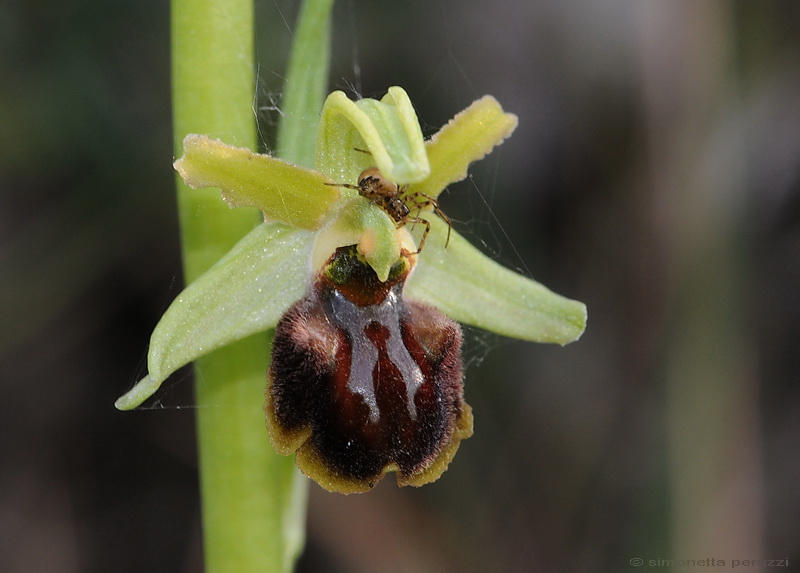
308,216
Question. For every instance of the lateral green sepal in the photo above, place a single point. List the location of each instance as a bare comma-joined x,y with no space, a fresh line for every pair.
473,289
246,292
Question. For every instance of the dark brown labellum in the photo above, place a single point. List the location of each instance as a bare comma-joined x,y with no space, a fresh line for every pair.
363,381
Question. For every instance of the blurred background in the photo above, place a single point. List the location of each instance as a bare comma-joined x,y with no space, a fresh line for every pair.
655,175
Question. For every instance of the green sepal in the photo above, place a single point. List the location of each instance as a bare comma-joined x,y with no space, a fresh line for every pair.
284,192
473,289
245,292
388,130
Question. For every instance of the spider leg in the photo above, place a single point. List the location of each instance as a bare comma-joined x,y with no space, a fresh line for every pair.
418,206
438,211
424,233
428,200
346,185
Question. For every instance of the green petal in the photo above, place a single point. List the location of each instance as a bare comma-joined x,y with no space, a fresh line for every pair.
469,136
388,129
284,192
246,292
473,289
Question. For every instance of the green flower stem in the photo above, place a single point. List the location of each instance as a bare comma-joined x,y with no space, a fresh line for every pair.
253,500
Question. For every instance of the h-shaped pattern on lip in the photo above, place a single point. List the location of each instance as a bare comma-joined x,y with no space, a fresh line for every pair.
376,347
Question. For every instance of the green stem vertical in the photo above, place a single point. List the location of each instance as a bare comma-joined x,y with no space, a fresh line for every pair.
253,500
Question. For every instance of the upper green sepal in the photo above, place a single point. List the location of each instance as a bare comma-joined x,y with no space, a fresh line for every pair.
355,135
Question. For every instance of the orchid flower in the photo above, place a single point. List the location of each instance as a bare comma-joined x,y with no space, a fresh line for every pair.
323,238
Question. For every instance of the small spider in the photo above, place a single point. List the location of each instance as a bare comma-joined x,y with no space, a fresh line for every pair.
389,196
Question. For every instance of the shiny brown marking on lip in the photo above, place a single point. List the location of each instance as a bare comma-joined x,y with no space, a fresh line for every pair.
359,390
